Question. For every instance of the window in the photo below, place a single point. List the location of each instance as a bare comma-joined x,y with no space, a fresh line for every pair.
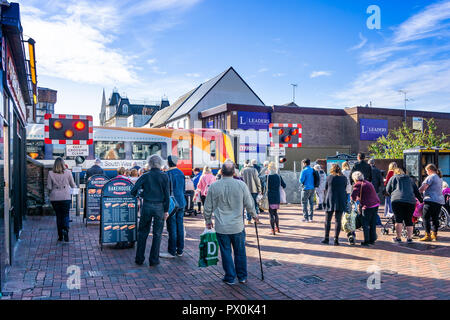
35,149
213,149
143,150
184,149
110,150
125,108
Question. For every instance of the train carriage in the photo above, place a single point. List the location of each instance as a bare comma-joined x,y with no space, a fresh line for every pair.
120,147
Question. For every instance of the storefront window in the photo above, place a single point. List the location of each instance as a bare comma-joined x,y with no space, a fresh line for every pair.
110,150
143,150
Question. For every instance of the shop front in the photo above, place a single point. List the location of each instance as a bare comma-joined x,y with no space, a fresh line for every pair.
17,90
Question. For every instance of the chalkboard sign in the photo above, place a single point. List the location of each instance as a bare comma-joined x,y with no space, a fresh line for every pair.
93,197
118,212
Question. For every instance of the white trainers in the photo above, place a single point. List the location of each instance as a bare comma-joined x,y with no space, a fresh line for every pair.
166,255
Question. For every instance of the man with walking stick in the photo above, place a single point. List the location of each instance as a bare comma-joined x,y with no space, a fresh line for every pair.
227,199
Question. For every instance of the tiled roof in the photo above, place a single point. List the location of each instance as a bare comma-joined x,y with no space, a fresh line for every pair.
162,115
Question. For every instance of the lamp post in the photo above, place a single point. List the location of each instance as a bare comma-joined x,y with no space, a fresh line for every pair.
293,91
404,92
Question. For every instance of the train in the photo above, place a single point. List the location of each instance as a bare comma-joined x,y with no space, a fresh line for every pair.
121,147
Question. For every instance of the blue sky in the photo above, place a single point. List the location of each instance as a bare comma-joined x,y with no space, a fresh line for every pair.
148,49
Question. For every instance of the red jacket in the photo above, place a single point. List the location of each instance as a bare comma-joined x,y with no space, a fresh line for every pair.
389,176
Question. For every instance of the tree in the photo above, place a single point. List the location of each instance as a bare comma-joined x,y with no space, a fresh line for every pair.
392,146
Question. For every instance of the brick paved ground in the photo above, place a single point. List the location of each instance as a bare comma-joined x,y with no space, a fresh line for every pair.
40,270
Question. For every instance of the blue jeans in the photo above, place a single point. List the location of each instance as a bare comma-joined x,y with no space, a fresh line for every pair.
62,209
387,205
239,267
175,229
249,216
308,197
149,212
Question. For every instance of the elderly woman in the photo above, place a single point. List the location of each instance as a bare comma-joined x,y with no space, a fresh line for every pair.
155,186
403,193
433,200
274,181
364,192
335,202
346,172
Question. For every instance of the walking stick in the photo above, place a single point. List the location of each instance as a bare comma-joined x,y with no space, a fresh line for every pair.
259,250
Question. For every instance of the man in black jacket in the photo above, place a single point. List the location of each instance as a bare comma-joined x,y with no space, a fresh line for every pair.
95,169
363,167
155,185
377,178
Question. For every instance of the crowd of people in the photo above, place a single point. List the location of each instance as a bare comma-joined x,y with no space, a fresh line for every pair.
234,196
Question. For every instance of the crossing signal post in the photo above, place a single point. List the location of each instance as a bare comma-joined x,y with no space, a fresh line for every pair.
76,132
282,136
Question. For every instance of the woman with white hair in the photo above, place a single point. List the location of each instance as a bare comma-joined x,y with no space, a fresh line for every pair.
155,186
364,192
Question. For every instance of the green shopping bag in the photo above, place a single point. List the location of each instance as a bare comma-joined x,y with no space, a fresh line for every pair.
209,249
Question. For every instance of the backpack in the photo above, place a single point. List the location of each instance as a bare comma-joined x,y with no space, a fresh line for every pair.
316,179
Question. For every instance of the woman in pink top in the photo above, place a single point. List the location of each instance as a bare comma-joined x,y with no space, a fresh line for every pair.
206,180
59,183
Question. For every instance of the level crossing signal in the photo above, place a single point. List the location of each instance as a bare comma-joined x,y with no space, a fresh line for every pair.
68,129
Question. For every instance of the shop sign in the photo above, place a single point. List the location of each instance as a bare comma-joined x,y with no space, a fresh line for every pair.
13,84
372,129
417,124
93,197
252,148
253,120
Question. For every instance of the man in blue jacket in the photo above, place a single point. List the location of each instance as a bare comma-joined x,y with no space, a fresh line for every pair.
175,226
307,183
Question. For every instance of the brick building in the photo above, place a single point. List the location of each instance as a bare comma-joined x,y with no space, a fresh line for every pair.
325,131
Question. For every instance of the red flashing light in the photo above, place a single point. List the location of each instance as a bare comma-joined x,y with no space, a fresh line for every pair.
79,125
287,139
280,132
294,132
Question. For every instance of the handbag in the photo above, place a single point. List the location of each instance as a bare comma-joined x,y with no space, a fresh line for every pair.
264,202
282,195
209,249
173,203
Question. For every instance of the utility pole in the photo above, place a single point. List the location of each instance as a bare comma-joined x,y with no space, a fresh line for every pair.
293,91
404,92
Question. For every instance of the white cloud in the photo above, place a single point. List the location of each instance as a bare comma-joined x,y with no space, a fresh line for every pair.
405,61
361,44
77,40
157,71
192,75
263,70
71,47
316,74
428,23
277,75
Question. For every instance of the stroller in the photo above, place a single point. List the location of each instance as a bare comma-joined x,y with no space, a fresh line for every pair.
444,216
390,222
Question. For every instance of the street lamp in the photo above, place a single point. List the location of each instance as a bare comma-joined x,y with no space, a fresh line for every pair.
293,91
404,92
